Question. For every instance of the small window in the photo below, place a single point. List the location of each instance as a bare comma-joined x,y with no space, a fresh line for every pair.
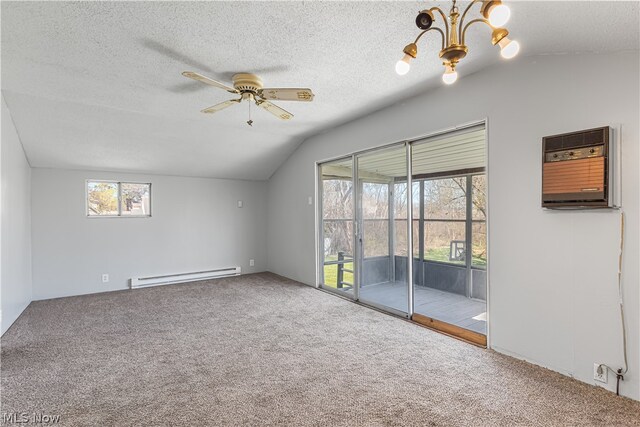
109,198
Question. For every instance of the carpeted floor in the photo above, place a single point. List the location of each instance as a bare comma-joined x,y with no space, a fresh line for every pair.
261,350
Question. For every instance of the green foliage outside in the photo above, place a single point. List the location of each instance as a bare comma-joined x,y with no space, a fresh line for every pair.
133,196
103,198
331,273
442,255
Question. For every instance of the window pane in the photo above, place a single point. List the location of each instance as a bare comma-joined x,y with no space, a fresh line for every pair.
135,199
337,213
375,200
401,238
337,198
479,244
331,272
337,247
416,200
400,201
445,198
375,238
337,223
337,239
479,192
375,211
416,238
102,198
444,242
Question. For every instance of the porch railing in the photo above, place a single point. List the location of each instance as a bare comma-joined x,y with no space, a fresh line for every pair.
343,259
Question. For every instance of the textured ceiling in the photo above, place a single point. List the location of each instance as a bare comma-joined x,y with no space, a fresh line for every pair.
97,85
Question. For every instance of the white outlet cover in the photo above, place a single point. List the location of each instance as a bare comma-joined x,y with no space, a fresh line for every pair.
252,263
310,201
105,278
600,376
240,203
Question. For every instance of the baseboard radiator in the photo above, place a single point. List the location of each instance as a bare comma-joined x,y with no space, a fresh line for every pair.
142,282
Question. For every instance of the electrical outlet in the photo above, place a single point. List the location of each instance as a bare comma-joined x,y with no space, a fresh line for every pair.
105,278
252,263
310,201
600,372
240,204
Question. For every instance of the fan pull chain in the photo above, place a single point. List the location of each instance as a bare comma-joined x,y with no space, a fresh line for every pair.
250,122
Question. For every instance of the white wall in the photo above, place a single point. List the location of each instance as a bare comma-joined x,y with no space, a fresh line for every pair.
195,225
552,274
15,276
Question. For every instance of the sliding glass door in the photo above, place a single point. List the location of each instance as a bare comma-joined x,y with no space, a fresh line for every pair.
403,228
380,199
450,287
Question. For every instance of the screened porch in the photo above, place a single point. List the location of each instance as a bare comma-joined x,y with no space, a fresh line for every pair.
449,228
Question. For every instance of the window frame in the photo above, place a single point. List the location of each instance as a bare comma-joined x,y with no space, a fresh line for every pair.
119,183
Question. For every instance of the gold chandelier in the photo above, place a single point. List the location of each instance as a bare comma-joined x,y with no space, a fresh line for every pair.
494,14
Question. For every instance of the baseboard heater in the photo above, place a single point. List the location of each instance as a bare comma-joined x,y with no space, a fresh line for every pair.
141,282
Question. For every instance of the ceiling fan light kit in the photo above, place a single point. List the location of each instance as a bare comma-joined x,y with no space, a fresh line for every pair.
249,87
493,13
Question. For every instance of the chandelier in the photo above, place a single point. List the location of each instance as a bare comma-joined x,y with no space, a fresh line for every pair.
494,14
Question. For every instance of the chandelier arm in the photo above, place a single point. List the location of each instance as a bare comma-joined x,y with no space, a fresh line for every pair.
464,30
465,12
420,36
432,29
444,19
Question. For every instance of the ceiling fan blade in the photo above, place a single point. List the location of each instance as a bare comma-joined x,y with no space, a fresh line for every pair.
288,94
221,106
275,110
207,80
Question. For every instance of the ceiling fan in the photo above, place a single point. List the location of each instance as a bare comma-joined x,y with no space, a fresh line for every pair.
249,87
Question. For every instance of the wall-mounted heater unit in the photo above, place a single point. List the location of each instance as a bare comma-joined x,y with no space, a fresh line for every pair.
141,282
578,169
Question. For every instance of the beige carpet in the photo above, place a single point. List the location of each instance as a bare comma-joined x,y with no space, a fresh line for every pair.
259,350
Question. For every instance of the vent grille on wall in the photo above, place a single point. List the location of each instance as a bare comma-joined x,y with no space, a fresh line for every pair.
577,169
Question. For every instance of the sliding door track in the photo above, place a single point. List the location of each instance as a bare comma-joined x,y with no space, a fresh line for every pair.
451,330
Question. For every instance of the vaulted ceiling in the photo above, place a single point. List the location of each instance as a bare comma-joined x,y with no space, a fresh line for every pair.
98,85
